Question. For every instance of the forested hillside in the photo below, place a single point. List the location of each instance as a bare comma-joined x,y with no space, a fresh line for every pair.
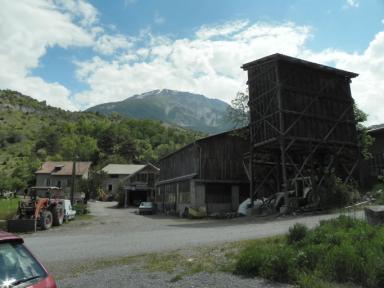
32,132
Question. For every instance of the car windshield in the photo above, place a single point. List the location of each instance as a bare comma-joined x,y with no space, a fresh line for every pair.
17,265
146,204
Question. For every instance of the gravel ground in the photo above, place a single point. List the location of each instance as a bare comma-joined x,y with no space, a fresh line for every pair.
128,276
114,233
120,232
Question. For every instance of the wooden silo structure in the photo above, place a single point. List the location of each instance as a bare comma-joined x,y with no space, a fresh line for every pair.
302,122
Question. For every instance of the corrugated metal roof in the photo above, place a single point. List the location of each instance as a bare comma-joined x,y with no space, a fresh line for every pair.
122,169
63,168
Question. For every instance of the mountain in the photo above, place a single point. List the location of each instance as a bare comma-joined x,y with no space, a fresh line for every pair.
184,109
32,132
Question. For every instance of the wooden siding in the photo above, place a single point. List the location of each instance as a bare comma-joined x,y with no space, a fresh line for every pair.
180,163
310,102
222,158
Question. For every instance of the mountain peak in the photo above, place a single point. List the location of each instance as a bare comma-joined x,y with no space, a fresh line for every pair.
184,109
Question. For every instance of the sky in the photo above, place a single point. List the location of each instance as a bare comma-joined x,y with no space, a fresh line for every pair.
77,53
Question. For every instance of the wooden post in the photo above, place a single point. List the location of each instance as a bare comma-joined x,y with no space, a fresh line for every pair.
281,137
73,181
125,197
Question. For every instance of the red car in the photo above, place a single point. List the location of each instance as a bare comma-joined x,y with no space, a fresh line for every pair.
18,267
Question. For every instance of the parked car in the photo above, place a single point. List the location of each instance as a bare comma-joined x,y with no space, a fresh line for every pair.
69,213
147,208
18,267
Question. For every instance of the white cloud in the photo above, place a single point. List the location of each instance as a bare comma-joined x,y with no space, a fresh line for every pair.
352,3
78,9
129,2
208,63
158,19
108,44
368,87
206,32
28,28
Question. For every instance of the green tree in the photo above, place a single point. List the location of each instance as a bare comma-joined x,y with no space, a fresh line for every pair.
364,139
238,112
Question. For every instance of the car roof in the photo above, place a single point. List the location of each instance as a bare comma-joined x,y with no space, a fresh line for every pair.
8,237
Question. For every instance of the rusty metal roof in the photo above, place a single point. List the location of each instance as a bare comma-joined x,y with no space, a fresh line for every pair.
63,168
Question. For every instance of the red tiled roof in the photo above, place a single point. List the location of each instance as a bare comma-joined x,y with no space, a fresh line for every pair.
63,168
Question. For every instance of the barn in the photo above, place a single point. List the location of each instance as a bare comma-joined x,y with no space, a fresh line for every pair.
207,174
302,125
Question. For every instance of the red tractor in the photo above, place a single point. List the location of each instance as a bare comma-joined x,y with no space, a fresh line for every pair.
44,208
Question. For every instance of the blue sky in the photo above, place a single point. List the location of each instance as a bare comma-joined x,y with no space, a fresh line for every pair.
78,53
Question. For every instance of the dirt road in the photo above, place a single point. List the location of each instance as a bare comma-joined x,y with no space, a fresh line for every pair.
118,232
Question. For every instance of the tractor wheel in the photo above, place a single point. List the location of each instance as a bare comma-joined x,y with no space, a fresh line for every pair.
46,220
58,215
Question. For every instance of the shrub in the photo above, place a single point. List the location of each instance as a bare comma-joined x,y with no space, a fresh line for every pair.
253,258
297,233
335,193
280,265
81,208
342,250
341,263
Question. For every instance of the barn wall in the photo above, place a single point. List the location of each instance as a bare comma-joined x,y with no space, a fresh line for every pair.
180,163
222,158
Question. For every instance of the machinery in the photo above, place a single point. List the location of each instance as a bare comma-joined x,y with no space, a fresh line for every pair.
44,208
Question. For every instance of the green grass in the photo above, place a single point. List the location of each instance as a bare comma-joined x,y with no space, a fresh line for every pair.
84,217
8,208
342,252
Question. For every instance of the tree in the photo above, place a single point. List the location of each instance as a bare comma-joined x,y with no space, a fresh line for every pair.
238,112
364,139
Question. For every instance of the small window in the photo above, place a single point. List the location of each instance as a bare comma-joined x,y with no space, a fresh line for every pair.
110,187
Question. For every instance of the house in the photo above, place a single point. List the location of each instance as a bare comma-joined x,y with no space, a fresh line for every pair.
115,174
59,173
208,173
140,186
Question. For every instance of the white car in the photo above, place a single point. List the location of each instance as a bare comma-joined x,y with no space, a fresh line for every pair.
69,213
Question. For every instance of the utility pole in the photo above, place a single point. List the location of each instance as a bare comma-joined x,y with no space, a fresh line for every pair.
73,181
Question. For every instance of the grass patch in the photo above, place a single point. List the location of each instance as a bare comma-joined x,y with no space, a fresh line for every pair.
165,262
89,266
8,208
340,252
84,217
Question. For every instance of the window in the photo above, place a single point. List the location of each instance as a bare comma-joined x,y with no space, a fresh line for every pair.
59,184
114,176
48,182
17,263
110,187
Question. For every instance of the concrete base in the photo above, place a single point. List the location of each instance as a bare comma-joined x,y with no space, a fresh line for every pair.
375,214
284,210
